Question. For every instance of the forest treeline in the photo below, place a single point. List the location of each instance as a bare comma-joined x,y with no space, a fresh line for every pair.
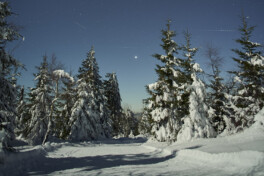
180,107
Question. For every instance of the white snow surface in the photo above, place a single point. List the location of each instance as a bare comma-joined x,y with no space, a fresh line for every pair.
239,154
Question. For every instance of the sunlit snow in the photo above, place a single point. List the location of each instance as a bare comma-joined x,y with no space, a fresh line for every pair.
239,154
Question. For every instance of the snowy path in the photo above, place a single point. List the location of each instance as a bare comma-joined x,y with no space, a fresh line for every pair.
126,158
134,157
239,154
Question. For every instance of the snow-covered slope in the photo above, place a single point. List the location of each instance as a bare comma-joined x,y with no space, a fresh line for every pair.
239,154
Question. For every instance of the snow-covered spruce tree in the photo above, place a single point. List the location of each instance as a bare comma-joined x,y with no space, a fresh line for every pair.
55,122
229,113
196,124
249,99
161,107
8,73
184,77
90,115
218,102
112,94
68,97
216,95
145,122
130,124
40,101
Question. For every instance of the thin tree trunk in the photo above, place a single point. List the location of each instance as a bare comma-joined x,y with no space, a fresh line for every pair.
50,122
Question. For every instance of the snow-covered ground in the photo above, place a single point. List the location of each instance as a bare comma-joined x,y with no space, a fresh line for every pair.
239,154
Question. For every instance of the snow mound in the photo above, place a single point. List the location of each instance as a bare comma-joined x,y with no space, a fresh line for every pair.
244,162
165,152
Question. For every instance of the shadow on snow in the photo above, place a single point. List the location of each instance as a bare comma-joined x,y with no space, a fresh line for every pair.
123,140
42,164
90,163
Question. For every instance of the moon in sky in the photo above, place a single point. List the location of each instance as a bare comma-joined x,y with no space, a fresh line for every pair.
136,57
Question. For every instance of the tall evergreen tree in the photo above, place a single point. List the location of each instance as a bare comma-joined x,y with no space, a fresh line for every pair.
250,77
196,123
161,107
217,100
114,102
90,116
145,123
39,109
68,97
184,78
8,73
130,123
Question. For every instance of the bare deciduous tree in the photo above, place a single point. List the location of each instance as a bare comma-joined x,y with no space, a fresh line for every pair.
55,64
215,61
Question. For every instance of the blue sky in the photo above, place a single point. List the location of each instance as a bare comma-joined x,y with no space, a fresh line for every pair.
119,30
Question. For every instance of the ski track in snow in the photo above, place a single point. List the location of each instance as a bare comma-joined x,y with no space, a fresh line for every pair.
239,154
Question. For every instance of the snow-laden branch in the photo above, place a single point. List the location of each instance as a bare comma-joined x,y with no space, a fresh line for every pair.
62,74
